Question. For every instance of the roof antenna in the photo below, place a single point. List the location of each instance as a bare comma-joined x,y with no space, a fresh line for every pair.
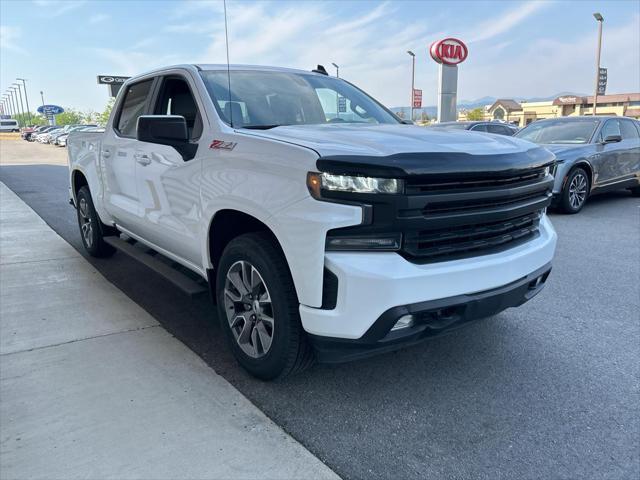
226,36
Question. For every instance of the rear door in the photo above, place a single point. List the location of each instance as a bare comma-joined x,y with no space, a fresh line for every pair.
117,155
168,185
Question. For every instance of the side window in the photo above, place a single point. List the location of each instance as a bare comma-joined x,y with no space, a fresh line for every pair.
627,130
479,128
612,127
132,107
176,99
499,129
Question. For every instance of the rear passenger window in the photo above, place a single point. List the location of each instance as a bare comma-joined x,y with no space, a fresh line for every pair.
627,130
479,128
133,106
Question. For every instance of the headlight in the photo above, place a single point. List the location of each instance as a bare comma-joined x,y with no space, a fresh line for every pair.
546,171
349,183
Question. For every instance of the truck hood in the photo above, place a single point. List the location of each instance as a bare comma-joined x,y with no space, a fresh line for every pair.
407,150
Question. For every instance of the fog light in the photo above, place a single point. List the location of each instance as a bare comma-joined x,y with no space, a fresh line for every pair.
406,321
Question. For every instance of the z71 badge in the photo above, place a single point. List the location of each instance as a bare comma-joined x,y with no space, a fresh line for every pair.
222,145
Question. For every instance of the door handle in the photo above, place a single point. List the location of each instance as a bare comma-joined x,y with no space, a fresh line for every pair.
106,153
142,158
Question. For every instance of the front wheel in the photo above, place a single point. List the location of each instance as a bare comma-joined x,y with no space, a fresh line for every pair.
259,309
575,191
92,230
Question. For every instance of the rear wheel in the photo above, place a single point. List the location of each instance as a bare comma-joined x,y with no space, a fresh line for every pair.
576,191
259,309
92,230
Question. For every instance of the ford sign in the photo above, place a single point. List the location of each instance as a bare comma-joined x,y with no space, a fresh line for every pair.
50,109
449,51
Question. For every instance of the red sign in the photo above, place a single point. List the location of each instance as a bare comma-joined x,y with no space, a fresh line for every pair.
449,51
417,98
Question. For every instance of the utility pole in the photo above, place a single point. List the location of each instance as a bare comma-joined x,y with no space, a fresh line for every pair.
24,116
26,99
599,18
413,78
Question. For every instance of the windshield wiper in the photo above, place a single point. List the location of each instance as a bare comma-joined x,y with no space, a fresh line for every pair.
261,127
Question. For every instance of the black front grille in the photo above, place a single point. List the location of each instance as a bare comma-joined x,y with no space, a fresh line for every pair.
468,216
476,181
446,242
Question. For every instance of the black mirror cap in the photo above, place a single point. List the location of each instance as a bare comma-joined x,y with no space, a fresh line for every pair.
162,129
612,139
168,130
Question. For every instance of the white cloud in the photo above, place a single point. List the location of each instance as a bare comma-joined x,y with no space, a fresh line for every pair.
99,18
497,25
8,38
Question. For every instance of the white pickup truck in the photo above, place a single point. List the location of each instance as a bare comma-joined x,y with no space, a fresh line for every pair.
324,226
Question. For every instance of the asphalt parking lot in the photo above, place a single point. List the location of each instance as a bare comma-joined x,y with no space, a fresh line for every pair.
549,390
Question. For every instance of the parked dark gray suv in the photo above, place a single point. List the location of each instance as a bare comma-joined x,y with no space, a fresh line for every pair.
594,154
498,128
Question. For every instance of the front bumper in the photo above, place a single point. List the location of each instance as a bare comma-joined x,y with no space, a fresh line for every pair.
431,318
370,284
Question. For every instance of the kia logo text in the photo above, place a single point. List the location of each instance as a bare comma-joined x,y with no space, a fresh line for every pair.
449,51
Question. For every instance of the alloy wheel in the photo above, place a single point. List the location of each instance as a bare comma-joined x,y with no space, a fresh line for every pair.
577,191
248,308
86,225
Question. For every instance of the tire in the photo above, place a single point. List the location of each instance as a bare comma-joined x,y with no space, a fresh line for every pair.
262,324
92,230
635,191
576,191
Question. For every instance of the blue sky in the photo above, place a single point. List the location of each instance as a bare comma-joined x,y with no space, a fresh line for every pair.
522,49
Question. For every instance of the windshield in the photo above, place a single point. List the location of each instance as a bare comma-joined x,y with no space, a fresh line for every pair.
576,131
266,99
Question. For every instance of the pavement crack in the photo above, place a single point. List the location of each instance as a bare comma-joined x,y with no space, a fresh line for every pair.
80,340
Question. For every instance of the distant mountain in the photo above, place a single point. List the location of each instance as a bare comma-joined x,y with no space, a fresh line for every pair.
480,103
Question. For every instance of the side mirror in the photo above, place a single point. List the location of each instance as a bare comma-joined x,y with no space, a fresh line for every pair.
612,139
168,130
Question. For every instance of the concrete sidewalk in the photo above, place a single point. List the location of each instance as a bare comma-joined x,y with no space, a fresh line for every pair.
92,387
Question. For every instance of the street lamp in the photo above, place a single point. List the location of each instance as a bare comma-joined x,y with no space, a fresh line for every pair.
24,116
14,107
26,99
413,78
18,108
599,19
337,70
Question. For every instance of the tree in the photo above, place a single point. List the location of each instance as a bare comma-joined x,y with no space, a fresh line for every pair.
475,114
103,118
69,117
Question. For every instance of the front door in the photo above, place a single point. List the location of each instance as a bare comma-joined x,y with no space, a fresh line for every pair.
168,185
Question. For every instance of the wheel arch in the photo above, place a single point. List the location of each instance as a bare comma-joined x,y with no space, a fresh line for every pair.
581,163
226,225
78,180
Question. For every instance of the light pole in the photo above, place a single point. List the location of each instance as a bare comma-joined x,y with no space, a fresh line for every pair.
413,78
44,114
337,70
13,104
18,108
26,99
337,94
24,116
599,18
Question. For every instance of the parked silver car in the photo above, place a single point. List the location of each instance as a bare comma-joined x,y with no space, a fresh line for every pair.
594,154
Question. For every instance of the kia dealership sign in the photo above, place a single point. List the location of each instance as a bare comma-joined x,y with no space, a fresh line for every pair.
449,51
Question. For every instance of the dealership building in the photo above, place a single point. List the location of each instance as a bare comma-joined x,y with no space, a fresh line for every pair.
523,113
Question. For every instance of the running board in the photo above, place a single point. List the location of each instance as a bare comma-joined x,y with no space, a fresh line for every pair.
181,280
